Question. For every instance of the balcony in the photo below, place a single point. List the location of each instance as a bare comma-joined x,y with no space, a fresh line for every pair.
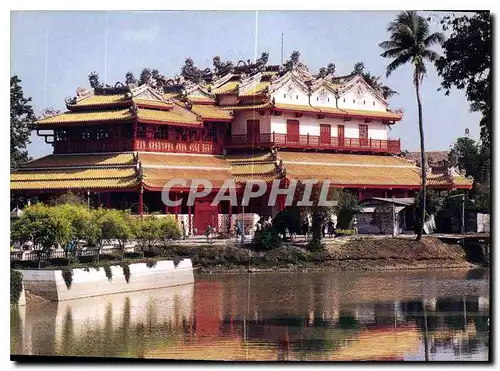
165,145
315,142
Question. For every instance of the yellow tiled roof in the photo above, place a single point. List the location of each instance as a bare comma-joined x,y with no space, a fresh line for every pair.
74,179
363,113
350,175
169,96
246,107
87,117
81,160
198,99
345,169
335,111
461,181
98,100
157,177
296,107
258,89
315,157
227,88
182,160
73,174
160,168
165,117
155,103
209,112
440,177
249,157
253,166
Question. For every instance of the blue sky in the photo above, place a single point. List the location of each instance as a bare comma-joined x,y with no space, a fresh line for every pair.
162,40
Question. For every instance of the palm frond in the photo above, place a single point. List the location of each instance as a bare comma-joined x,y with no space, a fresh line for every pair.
393,53
430,55
435,38
396,63
389,44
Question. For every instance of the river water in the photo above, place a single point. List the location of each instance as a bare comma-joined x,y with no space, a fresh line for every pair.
335,316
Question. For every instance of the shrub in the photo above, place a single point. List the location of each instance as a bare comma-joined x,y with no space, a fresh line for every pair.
108,224
315,245
16,286
149,232
288,219
266,239
44,226
170,228
68,198
341,232
347,206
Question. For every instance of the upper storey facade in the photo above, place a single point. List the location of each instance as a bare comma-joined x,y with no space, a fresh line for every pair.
287,109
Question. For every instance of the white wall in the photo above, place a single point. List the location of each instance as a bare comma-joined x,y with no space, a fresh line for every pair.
50,284
365,101
296,96
310,124
323,97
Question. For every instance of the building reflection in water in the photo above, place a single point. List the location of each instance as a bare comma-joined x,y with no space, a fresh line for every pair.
269,317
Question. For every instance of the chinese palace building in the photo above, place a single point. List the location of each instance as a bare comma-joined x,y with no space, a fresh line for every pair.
120,145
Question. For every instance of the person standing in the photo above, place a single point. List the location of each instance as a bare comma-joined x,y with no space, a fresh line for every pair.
183,226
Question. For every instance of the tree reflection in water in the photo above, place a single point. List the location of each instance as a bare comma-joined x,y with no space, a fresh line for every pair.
267,317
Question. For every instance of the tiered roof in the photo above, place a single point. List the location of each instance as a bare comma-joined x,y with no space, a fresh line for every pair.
62,172
128,170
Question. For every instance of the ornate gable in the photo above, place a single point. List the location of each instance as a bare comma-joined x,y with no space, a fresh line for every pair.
146,92
360,89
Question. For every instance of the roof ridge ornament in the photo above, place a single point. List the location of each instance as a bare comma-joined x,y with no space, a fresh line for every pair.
70,101
49,112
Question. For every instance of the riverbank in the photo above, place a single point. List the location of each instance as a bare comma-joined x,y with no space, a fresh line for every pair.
347,253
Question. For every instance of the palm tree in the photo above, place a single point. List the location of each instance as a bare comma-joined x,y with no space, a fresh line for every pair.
410,41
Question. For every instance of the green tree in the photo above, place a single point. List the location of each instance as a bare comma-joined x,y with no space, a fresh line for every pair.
44,227
474,158
110,224
347,207
170,228
465,154
410,42
22,120
382,218
149,232
466,63
79,218
68,198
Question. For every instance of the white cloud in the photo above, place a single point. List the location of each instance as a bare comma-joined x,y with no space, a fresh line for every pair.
143,35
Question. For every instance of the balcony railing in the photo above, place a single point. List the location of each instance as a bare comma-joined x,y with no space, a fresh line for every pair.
316,142
165,145
80,146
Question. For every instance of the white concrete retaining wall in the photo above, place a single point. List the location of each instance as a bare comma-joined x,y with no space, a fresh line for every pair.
50,284
22,298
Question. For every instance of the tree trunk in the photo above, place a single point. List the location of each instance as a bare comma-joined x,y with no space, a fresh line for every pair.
316,226
422,161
